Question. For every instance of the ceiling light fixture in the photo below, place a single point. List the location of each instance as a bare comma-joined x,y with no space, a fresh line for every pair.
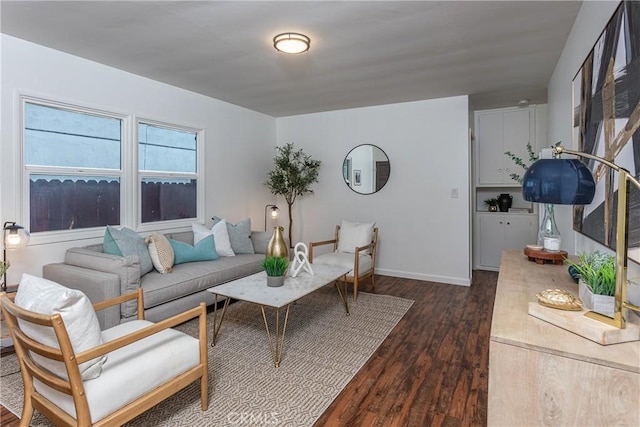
291,43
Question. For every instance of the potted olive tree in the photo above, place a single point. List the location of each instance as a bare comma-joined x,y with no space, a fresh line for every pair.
597,281
275,267
292,176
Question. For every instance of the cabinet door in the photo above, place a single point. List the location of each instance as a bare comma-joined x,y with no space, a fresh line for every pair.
491,239
490,150
517,126
519,231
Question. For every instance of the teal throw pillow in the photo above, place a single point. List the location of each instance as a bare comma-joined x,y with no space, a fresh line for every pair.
127,243
204,250
239,235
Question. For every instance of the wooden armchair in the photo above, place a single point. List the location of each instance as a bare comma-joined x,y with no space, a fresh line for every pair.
145,364
361,259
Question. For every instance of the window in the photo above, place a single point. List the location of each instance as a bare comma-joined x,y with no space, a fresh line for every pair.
167,163
73,164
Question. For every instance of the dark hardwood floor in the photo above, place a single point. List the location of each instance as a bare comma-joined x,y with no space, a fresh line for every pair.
432,370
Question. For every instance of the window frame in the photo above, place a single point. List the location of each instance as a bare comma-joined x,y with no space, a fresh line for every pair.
129,174
54,236
198,175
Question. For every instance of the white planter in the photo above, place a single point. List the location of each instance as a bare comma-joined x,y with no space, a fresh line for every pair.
599,303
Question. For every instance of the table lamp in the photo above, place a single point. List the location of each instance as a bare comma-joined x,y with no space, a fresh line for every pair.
13,237
570,182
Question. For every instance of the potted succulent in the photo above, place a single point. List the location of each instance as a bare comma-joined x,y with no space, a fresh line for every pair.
597,281
275,267
492,204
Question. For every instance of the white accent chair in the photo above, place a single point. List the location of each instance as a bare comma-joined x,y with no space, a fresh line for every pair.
140,363
354,246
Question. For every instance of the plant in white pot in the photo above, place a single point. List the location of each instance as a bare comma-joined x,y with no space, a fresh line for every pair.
597,281
275,267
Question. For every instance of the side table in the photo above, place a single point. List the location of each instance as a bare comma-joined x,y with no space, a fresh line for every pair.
6,344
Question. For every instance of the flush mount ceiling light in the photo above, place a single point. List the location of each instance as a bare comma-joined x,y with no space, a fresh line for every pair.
291,43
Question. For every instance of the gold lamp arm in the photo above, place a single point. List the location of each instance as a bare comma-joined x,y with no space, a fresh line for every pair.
619,319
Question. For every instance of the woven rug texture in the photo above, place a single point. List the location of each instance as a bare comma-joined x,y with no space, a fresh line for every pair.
323,350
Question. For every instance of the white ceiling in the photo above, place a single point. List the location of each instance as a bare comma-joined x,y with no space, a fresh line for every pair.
362,52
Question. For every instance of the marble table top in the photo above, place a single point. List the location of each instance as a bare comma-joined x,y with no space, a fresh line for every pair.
254,288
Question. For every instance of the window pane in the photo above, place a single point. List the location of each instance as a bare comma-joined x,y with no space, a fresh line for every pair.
57,137
72,202
166,199
167,150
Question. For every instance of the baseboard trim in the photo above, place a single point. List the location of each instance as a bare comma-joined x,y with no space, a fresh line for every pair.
426,277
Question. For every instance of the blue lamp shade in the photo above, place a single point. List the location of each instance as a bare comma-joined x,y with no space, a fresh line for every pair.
558,181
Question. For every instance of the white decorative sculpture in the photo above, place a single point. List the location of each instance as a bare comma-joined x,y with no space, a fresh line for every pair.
300,260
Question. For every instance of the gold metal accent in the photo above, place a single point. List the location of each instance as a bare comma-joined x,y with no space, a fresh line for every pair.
619,319
216,324
277,342
343,293
277,246
560,299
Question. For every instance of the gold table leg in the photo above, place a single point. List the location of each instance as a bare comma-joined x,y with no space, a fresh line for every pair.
216,324
276,343
343,294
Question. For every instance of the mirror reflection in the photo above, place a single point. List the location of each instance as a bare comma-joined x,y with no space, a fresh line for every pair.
366,169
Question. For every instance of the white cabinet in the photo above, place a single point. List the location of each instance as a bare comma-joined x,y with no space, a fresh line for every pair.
498,131
498,231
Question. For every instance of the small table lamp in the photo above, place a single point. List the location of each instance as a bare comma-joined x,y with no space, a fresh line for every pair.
570,182
13,237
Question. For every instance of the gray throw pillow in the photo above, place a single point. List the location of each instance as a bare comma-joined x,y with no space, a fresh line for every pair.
239,235
129,243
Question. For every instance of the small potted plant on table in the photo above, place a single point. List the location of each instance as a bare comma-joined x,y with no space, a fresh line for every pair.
275,267
597,281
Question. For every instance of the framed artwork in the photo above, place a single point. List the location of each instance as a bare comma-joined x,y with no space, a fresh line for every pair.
606,122
357,177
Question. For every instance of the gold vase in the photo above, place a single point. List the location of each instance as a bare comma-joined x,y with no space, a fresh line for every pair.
277,246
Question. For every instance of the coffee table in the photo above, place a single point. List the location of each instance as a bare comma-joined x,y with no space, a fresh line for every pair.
254,289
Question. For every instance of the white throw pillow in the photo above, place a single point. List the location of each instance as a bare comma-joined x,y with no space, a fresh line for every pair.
46,297
220,237
161,252
353,235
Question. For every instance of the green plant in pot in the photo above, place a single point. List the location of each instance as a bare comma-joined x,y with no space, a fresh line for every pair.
275,267
491,204
597,281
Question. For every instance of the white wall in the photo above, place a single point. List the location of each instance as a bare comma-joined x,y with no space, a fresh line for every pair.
424,233
587,28
239,142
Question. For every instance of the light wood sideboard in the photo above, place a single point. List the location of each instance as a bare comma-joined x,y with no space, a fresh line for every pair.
543,375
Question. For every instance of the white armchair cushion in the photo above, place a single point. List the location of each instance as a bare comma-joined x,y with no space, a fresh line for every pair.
148,363
46,297
353,235
344,259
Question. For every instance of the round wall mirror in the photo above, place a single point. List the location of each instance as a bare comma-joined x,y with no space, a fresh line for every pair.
366,169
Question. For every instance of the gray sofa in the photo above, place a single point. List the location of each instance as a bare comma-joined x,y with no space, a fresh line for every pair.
101,276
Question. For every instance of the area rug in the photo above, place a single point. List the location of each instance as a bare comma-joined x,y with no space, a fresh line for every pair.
323,350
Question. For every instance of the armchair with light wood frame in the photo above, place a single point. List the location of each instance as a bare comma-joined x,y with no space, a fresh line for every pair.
359,256
143,364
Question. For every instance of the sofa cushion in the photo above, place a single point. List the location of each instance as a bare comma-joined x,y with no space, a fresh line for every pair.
128,243
239,235
161,252
173,353
194,277
204,250
46,297
220,237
